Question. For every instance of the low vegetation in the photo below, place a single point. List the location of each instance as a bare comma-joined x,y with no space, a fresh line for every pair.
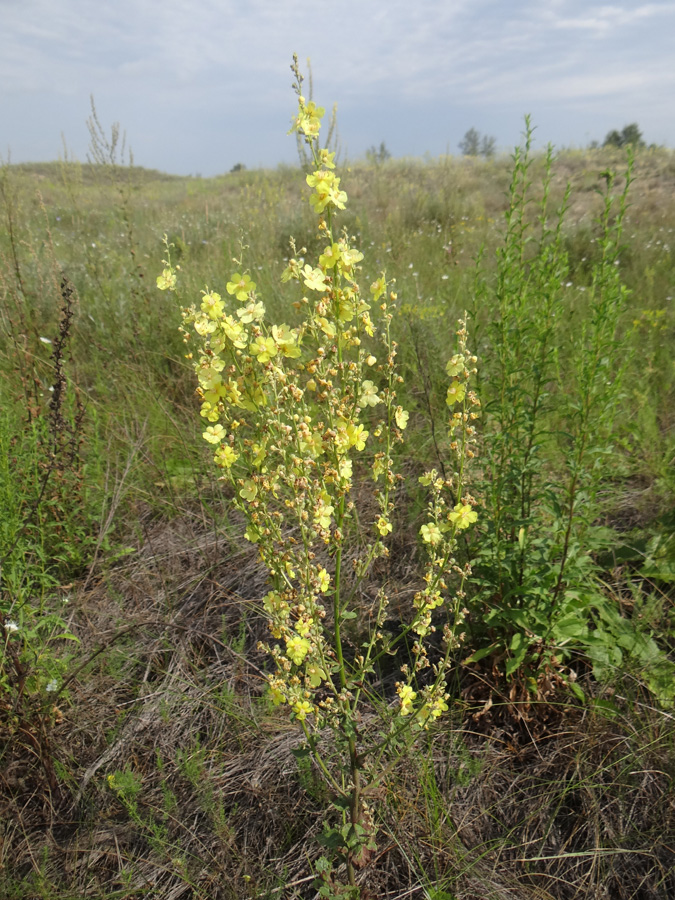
412,633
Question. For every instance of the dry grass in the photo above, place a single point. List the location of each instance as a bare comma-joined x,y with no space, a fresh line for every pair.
570,804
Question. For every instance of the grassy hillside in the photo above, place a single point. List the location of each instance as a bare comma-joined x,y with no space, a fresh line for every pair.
140,752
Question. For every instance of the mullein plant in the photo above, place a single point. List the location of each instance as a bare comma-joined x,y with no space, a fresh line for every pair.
294,415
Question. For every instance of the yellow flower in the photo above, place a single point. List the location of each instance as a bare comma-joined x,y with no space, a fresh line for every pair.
312,444
264,348
204,326
327,158
249,491
463,516
322,514
315,674
378,287
240,286
314,279
431,533
214,434
345,468
308,119
326,190
297,649
324,580
232,392
225,456
276,696
327,327
379,468
286,340
330,256
350,256
252,312
234,331
456,393
369,394
302,709
259,454
209,411
357,436
455,365
167,280
346,310
383,526
303,626
209,378
434,599
431,711
401,416
406,696
212,305
367,323
275,605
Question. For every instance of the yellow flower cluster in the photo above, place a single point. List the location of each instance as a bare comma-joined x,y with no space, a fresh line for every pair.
286,409
289,414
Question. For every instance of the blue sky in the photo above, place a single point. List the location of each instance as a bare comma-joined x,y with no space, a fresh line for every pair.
199,85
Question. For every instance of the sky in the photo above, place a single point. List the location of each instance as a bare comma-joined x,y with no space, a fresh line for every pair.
201,85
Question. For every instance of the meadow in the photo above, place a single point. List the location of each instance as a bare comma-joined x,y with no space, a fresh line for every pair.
143,751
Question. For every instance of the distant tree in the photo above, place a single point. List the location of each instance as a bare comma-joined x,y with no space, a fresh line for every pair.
632,135
487,146
475,144
238,167
613,139
629,136
470,143
378,155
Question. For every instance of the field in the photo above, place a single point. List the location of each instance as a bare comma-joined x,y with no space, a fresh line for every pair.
141,752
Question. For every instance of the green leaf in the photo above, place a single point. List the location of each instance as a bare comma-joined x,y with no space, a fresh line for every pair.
570,627
577,691
660,561
518,658
517,641
477,655
331,839
301,752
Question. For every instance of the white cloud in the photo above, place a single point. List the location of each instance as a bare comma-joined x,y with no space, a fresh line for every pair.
602,19
162,63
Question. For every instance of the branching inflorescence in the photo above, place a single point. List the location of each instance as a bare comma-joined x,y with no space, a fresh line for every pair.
297,414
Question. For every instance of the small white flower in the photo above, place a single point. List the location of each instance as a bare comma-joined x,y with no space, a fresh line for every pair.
11,626
45,340
52,686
